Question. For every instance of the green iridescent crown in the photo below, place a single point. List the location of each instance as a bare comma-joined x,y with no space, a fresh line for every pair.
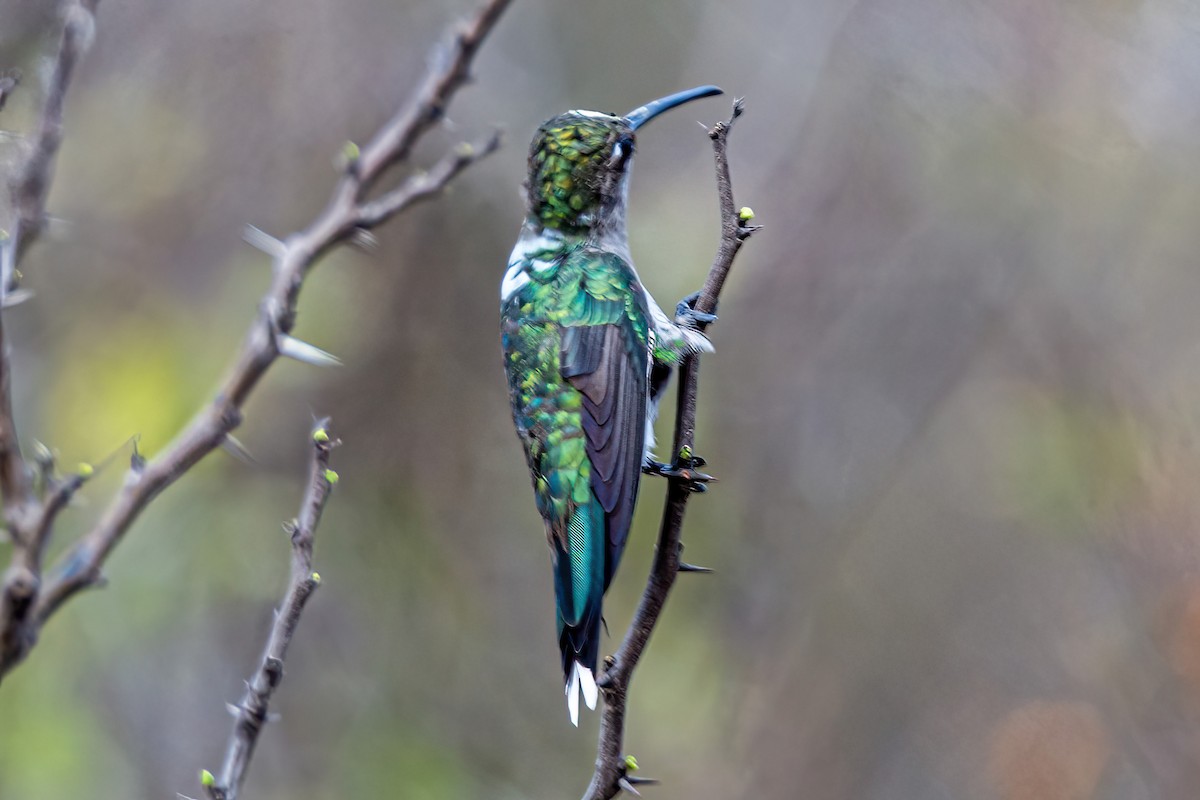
577,160
572,166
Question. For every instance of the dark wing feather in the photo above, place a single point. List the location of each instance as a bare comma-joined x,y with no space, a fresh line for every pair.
608,366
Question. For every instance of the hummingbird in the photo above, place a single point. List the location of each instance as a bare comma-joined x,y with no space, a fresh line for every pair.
588,353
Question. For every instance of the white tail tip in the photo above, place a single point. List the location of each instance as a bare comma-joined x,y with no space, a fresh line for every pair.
587,682
583,680
573,696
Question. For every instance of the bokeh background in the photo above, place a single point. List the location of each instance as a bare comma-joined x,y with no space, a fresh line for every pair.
954,407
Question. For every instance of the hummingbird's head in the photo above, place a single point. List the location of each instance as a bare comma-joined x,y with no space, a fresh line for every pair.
579,162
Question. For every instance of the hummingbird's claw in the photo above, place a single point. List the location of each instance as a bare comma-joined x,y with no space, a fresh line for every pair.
651,467
684,470
686,313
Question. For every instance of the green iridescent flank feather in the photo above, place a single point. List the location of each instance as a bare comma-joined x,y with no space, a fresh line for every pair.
671,352
567,169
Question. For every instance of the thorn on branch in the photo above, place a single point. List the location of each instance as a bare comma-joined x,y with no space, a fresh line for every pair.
265,242
137,462
230,444
626,786
305,353
15,296
8,82
364,240
686,567
44,458
627,781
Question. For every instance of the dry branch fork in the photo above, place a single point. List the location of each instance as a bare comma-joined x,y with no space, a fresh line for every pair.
27,598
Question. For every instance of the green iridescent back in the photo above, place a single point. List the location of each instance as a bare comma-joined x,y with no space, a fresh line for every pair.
576,286
570,176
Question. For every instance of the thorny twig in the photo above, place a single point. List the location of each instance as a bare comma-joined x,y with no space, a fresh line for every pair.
250,715
350,212
33,177
612,774
28,518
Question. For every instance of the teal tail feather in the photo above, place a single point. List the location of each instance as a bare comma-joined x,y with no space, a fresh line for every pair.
579,589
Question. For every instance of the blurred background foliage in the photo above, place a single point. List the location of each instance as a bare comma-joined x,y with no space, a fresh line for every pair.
954,406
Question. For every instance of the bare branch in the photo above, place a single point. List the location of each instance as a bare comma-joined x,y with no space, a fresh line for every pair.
451,68
424,185
251,712
611,775
27,520
33,178
348,212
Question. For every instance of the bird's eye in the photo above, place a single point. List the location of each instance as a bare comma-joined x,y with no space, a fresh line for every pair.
622,150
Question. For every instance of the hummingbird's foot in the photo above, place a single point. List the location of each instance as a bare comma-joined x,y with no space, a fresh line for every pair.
685,469
686,313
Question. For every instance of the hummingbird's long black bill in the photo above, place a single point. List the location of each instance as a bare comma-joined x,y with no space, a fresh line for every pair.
640,116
